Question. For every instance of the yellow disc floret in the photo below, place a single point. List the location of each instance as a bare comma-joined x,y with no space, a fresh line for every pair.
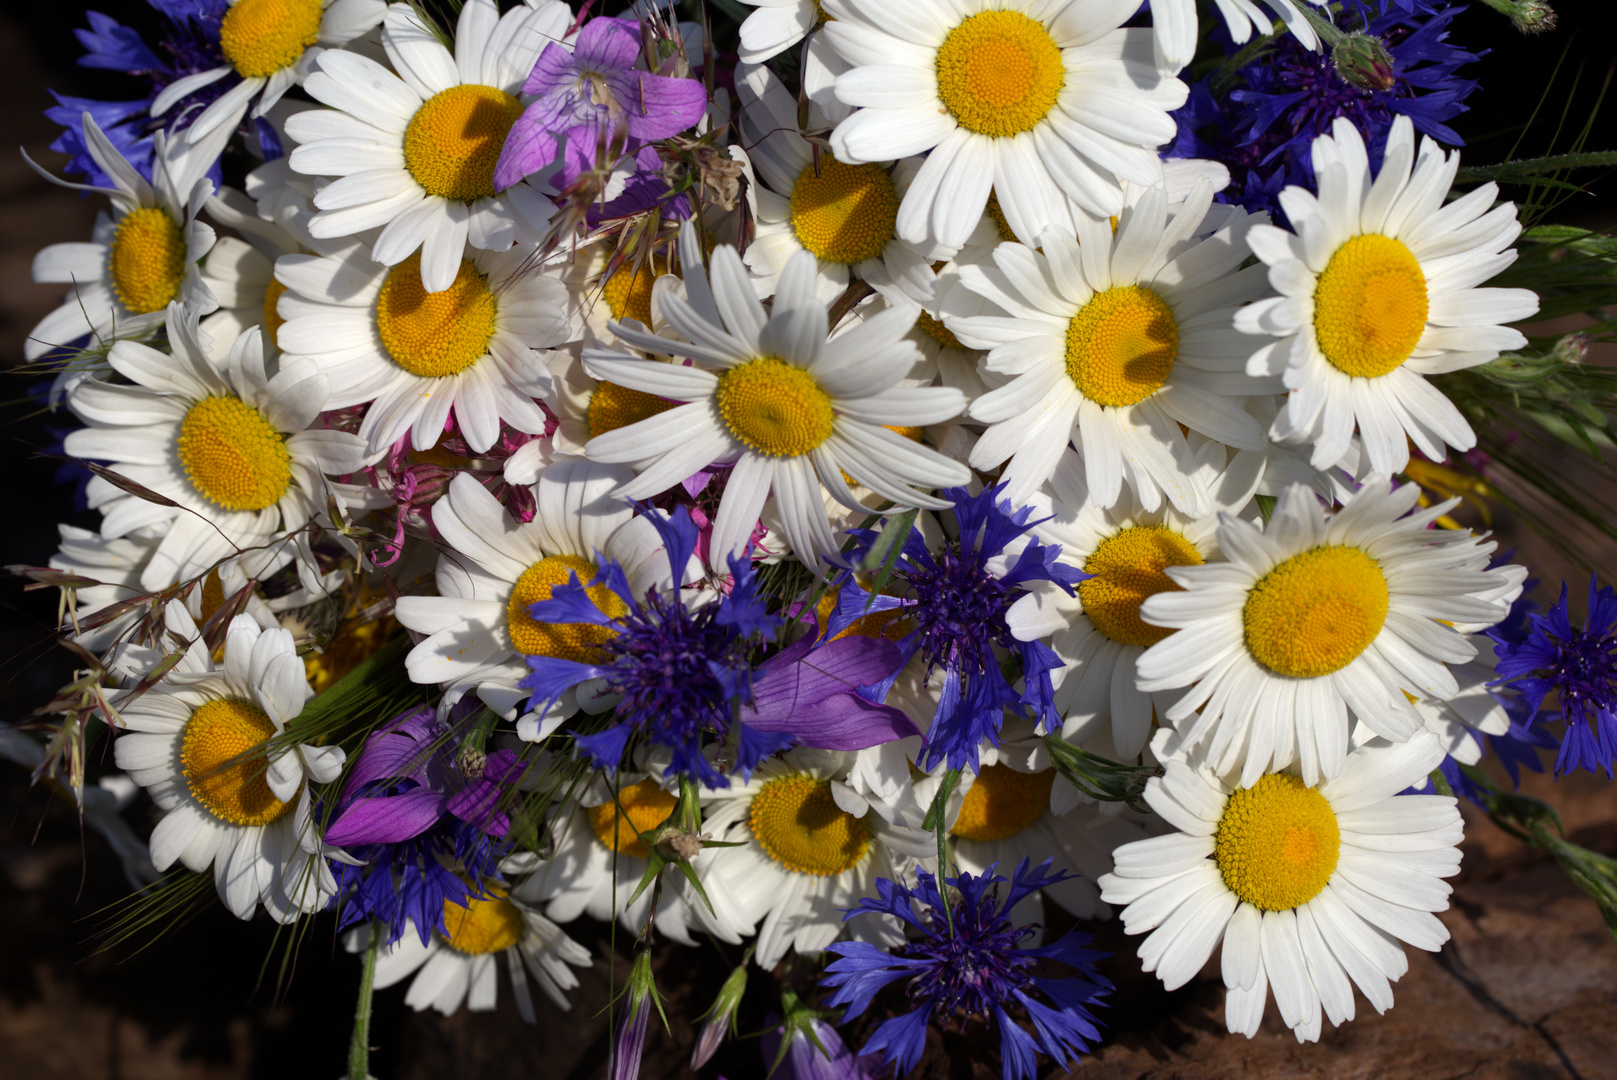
221,766
935,330
1370,306
846,213
567,641
1316,612
272,313
774,407
1003,802
645,805
628,291
260,37
799,825
454,140
999,73
996,214
233,455
612,406
1128,567
1277,843
1121,346
435,334
147,261
479,927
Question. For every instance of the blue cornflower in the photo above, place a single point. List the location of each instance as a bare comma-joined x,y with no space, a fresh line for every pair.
1581,666
1264,130
971,964
188,44
957,599
684,679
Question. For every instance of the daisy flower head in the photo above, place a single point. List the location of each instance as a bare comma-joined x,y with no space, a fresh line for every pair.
1113,339
200,742
1174,29
1580,665
771,396
846,215
955,597
414,152
1314,619
478,630
416,356
1476,710
236,450
1378,289
967,957
459,966
114,566
1043,102
1125,551
272,46
1307,887
140,259
809,852
586,407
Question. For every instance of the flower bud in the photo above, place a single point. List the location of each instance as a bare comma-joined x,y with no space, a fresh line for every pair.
1533,17
638,998
1362,60
721,1017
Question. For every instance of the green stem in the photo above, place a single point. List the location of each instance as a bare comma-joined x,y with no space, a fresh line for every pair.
359,1048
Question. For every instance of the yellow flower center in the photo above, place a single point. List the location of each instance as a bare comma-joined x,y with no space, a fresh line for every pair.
217,735
799,825
272,314
1002,802
482,926
613,406
455,138
1277,843
1128,567
1315,612
148,260
233,455
1121,346
628,292
935,330
847,213
999,73
1370,306
435,334
996,214
566,641
260,37
774,407
645,805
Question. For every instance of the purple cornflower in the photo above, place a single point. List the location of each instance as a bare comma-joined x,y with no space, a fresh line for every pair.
683,675
958,598
1580,666
188,44
814,1051
421,822
589,93
1264,129
971,964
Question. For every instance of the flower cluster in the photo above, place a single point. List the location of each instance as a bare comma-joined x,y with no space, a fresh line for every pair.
546,482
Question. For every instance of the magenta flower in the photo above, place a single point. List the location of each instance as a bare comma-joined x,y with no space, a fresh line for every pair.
591,93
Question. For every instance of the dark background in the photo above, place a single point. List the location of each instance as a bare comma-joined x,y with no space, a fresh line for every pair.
1527,989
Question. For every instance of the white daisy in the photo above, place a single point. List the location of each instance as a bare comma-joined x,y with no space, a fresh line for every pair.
233,449
1378,290
790,412
776,26
115,565
1457,720
272,45
806,855
1313,619
1307,887
478,629
1174,29
138,261
845,214
415,356
460,967
416,151
585,407
1115,338
1043,102
599,859
190,740
1097,631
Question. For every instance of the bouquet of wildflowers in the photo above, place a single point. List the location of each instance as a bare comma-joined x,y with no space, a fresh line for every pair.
839,482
